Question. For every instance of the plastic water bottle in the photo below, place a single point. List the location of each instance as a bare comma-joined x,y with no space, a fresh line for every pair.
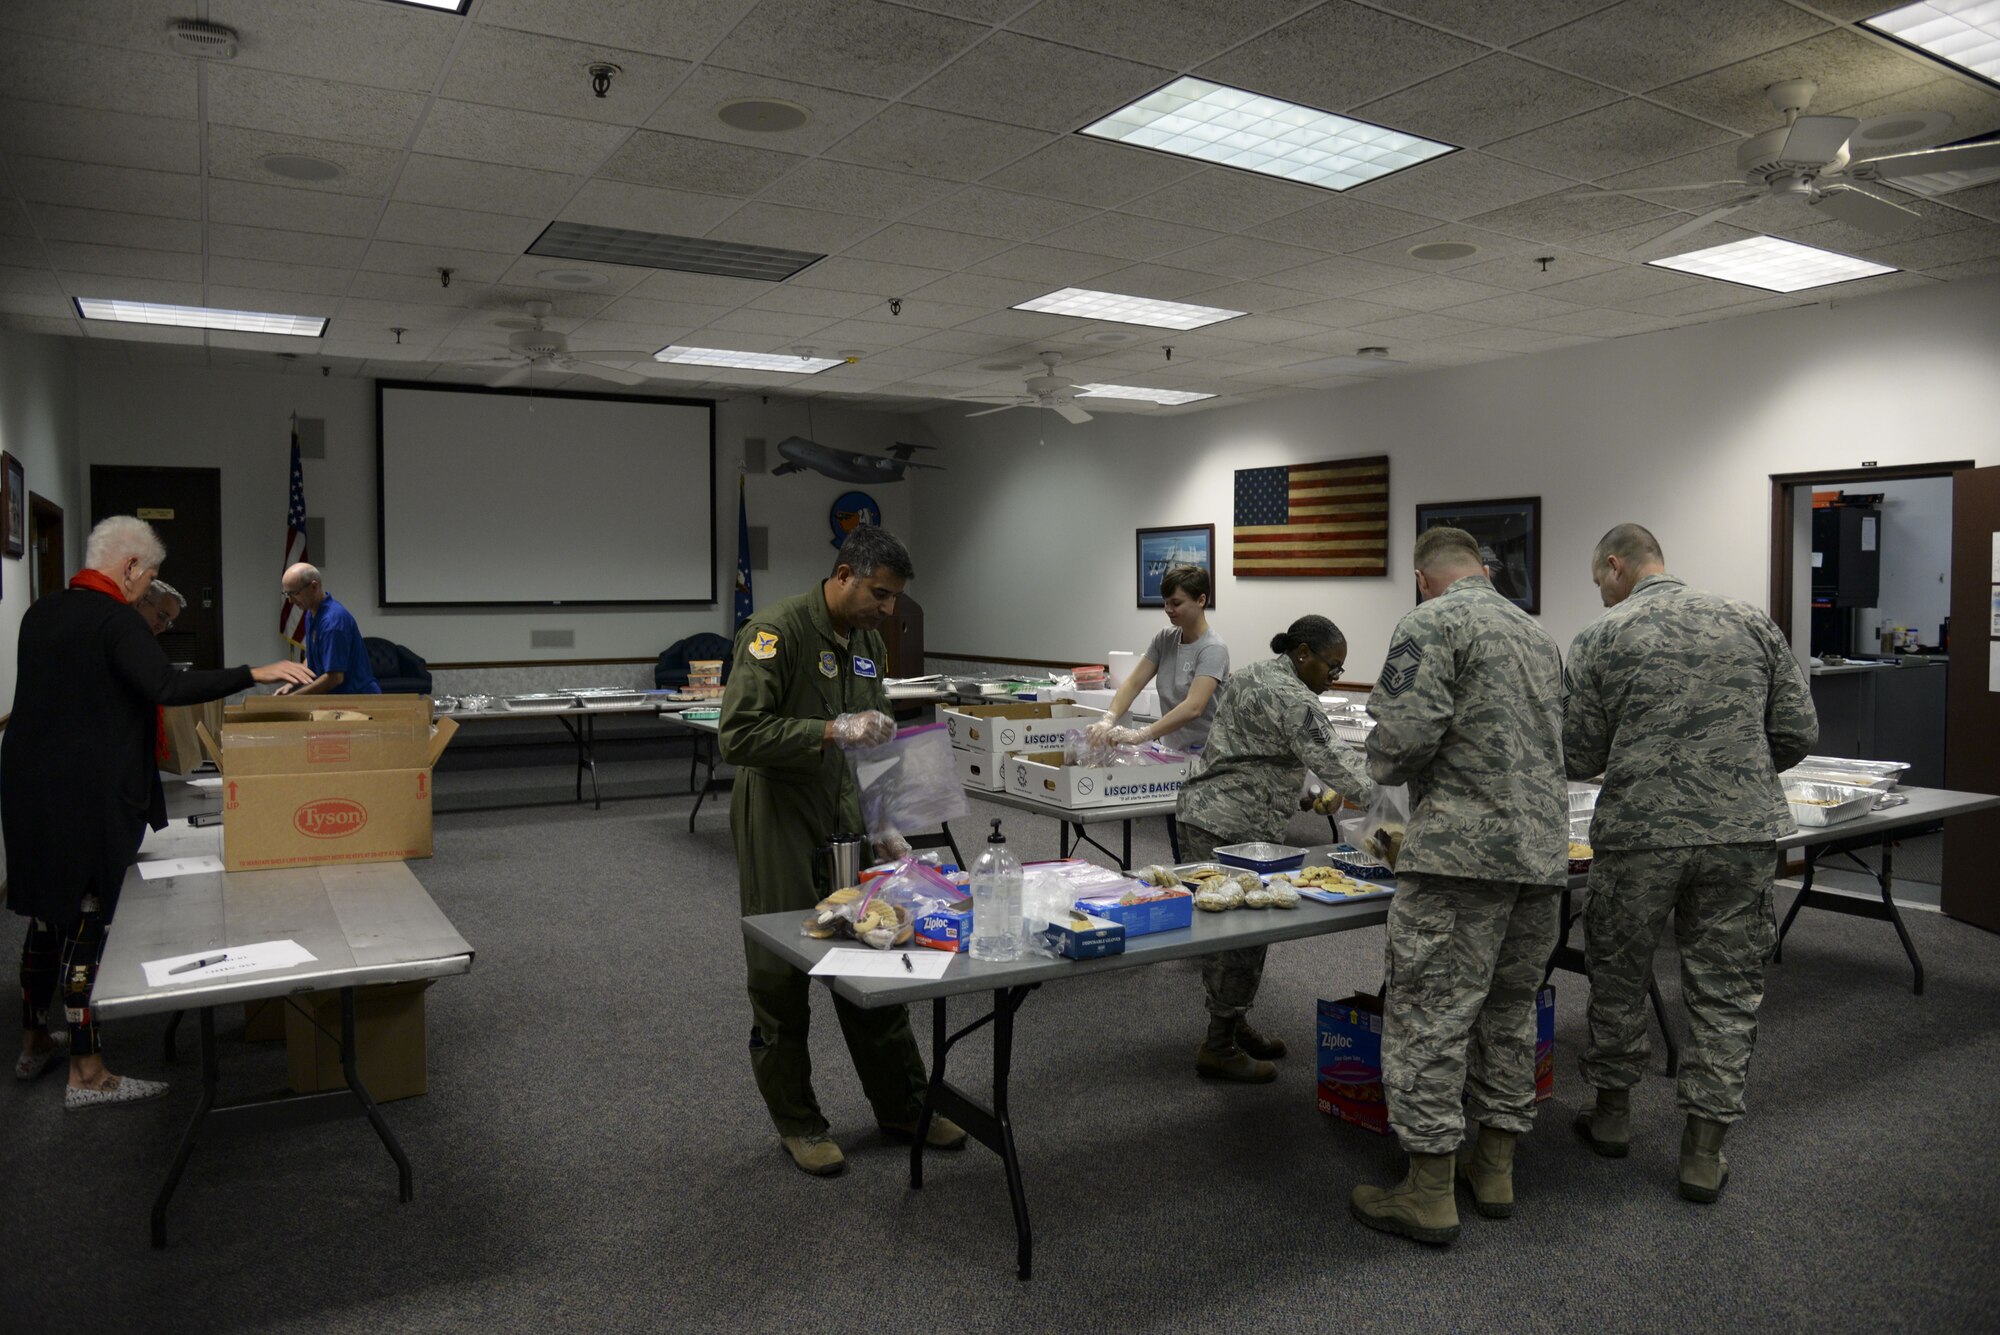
996,901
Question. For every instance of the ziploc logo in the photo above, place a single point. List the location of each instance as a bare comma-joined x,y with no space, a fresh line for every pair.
330,818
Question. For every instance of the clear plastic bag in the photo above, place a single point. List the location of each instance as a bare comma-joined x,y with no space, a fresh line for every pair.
1380,831
908,783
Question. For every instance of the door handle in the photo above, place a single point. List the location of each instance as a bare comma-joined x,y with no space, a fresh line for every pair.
208,597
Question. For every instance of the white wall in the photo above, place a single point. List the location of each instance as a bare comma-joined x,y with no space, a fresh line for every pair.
239,421
1025,545
38,427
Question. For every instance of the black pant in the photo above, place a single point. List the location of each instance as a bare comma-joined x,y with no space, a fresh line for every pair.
64,961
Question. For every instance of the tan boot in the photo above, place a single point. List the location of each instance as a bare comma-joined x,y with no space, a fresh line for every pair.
1607,1123
1704,1171
944,1134
1258,1043
1486,1164
815,1154
1419,1207
1219,1058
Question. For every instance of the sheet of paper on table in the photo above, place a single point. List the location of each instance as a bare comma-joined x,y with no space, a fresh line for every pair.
159,867
228,962
863,962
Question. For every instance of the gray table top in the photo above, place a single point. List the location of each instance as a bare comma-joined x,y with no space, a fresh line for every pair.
366,923
613,707
1925,805
1209,933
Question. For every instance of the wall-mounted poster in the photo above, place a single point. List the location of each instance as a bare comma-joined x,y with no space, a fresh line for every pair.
1161,549
1509,534
14,504
1313,519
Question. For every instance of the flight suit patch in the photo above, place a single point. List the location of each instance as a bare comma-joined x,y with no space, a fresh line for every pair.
864,667
764,646
829,666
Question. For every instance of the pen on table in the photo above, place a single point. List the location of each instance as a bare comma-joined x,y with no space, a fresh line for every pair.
907,965
202,963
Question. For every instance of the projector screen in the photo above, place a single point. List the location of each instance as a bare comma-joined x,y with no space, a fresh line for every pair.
490,497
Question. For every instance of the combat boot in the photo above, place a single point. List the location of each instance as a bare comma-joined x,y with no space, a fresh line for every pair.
1704,1172
1258,1043
1420,1206
815,1154
1486,1164
1607,1124
1221,1059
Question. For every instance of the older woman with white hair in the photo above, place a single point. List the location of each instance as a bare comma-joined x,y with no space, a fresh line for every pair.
80,781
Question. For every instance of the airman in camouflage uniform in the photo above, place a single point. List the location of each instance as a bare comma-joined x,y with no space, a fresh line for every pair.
1688,704
1468,713
1269,730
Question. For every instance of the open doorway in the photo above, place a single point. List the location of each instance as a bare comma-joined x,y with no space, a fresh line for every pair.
46,554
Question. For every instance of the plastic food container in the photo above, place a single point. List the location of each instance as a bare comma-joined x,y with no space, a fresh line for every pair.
1818,804
1261,857
1348,858
1582,799
1877,775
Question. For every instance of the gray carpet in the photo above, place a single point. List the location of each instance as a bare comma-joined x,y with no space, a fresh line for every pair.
592,1154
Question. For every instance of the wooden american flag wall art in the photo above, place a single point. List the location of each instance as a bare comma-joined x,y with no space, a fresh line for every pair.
1313,519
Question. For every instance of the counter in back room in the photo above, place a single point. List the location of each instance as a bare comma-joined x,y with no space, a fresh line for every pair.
1885,710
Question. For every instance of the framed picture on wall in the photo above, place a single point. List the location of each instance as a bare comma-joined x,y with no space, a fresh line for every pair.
1161,549
1509,533
14,504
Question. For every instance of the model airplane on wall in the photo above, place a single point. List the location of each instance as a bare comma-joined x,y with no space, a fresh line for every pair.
802,455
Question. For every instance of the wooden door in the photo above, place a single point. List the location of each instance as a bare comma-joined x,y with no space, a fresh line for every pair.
184,505
46,552
1972,749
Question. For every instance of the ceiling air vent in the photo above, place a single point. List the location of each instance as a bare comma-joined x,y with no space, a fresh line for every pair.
194,37
655,250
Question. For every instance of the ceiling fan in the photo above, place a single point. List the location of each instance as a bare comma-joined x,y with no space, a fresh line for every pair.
1807,160
1047,390
532,347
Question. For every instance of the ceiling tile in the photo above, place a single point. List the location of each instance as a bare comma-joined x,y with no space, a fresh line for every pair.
1611,139
1484,21
72,74
1094,172
1020,324
1245,296
1600,323
509,297
1616,287
1642,44
770,322
428,225
1225,199
1524,271
235,153
705,289
1848,68
679,163
682,28
1340,276
124,261
467,288
874,49
316,108
1514,308
1002,213
517,138
1174,34
271,299
1159,281
1520,340
864,334
1705,294
1430,328
845,188
1491,244
1023,81
526,275
1340,223
48,308
1261,329
484,187
759,224
691,110
22,254
97,227
297,210
276,277
386,315
903,243
1051,266
1460,185
936,143
116,189
1974,109
76,134
957,342
1432,292
284,246
532,72
115,288
1978,242
1331,57
1486,100
1568,215
99,330
1128,237
1244,257
991,291
831,305
385,46
1342,313
1929,217
643,208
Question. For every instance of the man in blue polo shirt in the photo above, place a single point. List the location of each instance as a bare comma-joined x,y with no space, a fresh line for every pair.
334,650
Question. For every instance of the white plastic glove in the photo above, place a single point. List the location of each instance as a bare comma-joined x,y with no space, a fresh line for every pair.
891,846
1127,737
870,727
1098,735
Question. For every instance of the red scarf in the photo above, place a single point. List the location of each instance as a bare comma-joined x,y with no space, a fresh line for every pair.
99,582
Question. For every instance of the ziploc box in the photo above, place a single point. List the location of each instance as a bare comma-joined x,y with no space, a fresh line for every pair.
301,791
1084,936
997,730
1042,777
1350,1057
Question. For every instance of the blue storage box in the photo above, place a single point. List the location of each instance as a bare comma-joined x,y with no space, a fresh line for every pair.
1085,938
1175,909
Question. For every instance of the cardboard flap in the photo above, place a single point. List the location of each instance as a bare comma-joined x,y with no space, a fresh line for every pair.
209,747
441,737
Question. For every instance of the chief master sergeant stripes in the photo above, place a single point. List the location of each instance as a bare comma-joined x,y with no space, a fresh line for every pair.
1469,714
1689,704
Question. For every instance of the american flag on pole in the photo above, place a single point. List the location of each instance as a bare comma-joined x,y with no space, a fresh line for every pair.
1313,519
292,621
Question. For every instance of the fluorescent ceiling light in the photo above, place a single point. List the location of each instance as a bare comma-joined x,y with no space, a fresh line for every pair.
200,317
1121,309
658,250
1965,33
745,361
1772,264
1170,397
1194,118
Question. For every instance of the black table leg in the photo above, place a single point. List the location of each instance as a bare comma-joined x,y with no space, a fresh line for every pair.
361,1095
209,1070
173,1028
1173,839
991,1127
711,784
1125,862
1885,910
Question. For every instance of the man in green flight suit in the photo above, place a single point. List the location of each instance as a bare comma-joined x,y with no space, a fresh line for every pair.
807,684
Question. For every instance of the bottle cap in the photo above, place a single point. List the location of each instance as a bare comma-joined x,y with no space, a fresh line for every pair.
996,837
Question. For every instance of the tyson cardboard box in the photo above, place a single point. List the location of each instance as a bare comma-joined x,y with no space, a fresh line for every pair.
320,779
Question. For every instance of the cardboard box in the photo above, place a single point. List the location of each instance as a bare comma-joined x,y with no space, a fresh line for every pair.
1085,937
1043,777
388,1041
997,730
1350,1058
977,769
300,792
1172,911
183,742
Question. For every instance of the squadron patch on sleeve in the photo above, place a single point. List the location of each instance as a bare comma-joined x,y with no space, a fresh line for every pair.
1399,670
765,645
829,666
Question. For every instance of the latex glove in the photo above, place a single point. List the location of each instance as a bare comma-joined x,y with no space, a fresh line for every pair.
891,847
1098,735
1128,737
870,727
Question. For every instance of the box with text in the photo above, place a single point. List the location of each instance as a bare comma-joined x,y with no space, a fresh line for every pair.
1043,777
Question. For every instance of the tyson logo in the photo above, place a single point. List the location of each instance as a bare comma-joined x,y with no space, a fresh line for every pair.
329,818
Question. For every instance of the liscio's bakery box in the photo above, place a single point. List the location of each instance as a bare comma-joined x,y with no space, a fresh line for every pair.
1044,778
997,730
313,780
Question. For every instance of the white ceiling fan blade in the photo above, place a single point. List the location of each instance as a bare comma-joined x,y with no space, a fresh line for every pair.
508,379
1923,161
1070,412
1003,408
612,354
1817,138
1858,208
1715,214
487,361
611,373
1677,189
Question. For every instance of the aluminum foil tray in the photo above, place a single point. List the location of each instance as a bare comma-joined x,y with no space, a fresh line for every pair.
1819,804
1261,857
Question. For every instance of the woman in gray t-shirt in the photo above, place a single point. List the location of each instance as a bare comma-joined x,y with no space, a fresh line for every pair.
1187,660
